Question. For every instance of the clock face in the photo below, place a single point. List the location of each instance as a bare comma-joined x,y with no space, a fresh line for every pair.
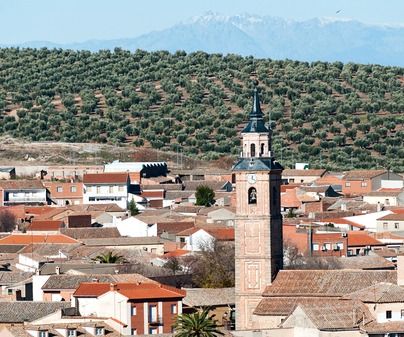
252,178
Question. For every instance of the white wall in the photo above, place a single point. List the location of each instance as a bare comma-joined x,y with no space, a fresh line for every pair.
37,282
134,227
107,192
196,240
30,195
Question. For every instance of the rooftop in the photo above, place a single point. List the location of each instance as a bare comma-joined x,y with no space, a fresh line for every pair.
105,178
206,297
21,184
122,241
392,217
326,283
363,174
362,238
303,173
26,239
91,232
24,311
45,225
379,293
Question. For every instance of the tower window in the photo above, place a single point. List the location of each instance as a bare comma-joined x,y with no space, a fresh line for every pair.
252,150
252,196
262,149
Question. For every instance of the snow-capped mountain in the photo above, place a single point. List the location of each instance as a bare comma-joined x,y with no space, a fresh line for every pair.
326,39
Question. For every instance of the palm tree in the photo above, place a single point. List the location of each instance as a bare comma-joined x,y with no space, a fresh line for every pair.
197,324
109,257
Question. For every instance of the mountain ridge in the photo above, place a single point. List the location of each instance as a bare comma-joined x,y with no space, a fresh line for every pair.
325,39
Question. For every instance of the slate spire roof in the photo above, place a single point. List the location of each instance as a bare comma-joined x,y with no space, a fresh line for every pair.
256,122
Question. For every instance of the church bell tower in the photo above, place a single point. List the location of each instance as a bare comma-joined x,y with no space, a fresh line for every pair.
258,228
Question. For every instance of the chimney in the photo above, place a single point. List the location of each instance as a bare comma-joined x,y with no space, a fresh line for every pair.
57,270
343,207
112,287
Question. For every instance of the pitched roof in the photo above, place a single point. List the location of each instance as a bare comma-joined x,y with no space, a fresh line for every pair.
337,314
206,297
45,225
173,227
389,328
221,234
289,199
130,290
393,217
56,282
15,239
91,232
24,311
362,238
389,193
325,283
283,306
151,291
21,184
365,262
122,241
379,293
105,178
11,277
362,174
176,253
303,173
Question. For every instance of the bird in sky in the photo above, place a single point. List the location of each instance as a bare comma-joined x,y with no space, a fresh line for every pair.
338,11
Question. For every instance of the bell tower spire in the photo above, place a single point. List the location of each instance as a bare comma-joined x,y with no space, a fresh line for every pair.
258,226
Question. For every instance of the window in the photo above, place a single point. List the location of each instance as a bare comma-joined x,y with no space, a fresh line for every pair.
173,308
388,314
182,240
387,202
252,150
9,291
98,189
110,189
327,246
316,246
99,331
42,333
402,313
364,184
262,149
134,332
396,225
89,188
71,333
340,245
291,180
152,313
120,188
347,184
73,189
59,189
133,311
153,331
385,225
252,196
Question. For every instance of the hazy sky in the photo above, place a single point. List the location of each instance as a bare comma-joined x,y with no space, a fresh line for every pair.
80,20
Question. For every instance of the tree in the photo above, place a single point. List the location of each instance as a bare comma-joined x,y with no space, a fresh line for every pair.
197,324
110,257
205,196
132,207
173,264
213,267
8,221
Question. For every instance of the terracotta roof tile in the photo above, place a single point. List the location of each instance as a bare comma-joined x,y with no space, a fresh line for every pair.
21,184
362,174
386,328
173,227
15,239
362,238
105,178
393,217
290,199
379,293
326,283
45,225
221,234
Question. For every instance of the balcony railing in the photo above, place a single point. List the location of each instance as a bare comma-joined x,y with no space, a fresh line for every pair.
156,320
25,200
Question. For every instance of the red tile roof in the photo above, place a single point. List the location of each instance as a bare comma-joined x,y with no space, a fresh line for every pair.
363,174
176,253
105,178
289,199
362,238
45,225
221,234
393,217
130,290
303,173
26,239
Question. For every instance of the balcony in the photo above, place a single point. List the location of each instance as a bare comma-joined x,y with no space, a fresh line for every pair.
25,200
155,320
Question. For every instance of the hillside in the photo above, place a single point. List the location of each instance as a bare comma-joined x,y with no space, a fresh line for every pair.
330,114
